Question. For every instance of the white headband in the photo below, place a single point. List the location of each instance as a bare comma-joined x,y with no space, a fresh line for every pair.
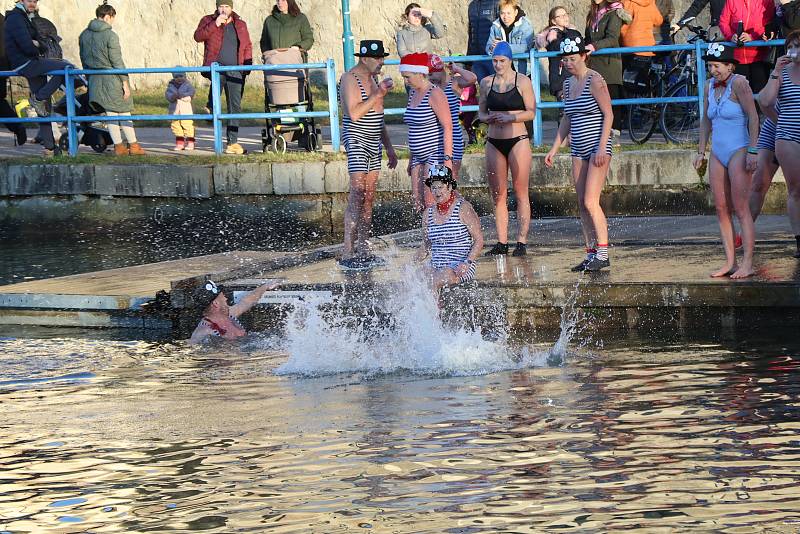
415,68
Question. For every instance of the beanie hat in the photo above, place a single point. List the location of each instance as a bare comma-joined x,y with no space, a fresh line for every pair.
502,49
417,62
225,3
435,64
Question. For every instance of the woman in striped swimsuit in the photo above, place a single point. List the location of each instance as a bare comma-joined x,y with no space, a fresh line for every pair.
452,87
784,88
767,164
587,120
732,120
430,127
453,235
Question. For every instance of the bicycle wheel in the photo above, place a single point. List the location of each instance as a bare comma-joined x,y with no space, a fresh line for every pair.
642,121
680,121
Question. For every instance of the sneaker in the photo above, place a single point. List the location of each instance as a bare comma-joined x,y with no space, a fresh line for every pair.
235,149
39,106
520,249
596,264
189,145
498,249
581,266
354,264
178,146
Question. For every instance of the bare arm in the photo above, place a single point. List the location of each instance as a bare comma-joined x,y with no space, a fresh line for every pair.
251,299
705,124
599,91
483,110
351,98
463,77
442,111
768,96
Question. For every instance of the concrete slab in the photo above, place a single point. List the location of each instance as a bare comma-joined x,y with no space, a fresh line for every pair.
243,179
299,178
154,181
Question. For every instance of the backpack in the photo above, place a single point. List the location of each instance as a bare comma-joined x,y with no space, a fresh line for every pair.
47,35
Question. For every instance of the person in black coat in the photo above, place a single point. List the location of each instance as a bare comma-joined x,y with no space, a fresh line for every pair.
716,7
5,108
481,14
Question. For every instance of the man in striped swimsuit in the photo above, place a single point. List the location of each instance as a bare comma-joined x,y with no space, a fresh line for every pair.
364,136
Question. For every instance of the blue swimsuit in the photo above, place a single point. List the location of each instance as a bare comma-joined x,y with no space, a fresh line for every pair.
729,132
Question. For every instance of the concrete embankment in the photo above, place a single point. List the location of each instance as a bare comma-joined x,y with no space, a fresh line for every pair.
313,195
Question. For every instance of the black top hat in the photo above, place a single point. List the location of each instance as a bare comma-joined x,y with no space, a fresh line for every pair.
720,52
440,173
572,43
371,48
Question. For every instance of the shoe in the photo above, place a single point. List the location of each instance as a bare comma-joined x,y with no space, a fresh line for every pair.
374,261
189,145
49,153
235,149
581,266
178,146
121,149
21,135
39,106
596,264
498,249
135,149
354,264
520,249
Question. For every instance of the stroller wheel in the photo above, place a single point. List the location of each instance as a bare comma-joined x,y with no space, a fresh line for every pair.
99,147
279,145
63,143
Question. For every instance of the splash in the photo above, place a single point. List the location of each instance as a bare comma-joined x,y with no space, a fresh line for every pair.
401,332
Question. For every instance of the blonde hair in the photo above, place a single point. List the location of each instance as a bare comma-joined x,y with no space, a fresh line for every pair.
508,3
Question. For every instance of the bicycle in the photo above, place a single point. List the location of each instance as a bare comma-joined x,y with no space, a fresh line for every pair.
679,122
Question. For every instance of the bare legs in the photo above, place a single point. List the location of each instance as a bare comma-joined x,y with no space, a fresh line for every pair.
589,182
731,188
420,194
762,178
788,153
358,215
497,167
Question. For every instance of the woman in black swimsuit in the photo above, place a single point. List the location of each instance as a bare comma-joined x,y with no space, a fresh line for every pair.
506,105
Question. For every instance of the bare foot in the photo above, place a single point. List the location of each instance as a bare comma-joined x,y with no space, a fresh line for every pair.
744,271
725,271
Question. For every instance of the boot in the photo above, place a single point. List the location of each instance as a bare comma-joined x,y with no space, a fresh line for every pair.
135,149
121,149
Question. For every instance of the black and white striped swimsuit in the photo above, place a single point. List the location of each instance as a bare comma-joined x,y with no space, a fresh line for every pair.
362,139
788,127
425,134
766,136
451,242
585,121
454,102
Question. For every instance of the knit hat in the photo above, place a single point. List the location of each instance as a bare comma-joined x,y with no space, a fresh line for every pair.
435,63
417,62
502,49
225,3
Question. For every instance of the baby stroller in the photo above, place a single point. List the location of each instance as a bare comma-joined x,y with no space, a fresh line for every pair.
89,134
287,91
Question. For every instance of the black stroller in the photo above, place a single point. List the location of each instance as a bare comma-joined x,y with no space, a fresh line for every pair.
89,134
288,91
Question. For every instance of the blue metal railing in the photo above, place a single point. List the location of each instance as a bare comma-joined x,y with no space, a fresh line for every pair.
535,74
216,116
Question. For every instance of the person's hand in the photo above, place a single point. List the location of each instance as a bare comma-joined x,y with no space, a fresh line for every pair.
780,63
385,86
674,28
221,19
698,160
600,158
552,35
504,118
461,269
550,158
449,164
715,34
751,161
426,13
269,286
126,92
768,36
392,156
589,48
744,37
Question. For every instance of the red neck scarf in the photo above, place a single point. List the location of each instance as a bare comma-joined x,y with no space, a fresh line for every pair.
444,207
723,83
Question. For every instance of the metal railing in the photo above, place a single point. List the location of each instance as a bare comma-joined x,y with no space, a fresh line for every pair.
71,119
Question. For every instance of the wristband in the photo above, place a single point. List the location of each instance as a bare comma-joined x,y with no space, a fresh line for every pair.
752,150
773,77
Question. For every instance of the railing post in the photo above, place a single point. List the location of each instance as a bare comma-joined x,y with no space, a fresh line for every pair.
333,105
537,93
348,46
69,91
216,108
701,78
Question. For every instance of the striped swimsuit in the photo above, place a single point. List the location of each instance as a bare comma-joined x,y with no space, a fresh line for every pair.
451,242
454,101
788,127
766,137
425,134
585,122
362,139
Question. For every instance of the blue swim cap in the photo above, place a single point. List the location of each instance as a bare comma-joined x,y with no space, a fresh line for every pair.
502,49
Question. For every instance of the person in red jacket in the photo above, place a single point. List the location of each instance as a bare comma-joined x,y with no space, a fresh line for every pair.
755,16
227,42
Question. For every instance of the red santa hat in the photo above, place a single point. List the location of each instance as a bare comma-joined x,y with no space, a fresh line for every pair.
435,64
417,62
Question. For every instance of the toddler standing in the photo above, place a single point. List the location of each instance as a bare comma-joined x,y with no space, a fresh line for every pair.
179,95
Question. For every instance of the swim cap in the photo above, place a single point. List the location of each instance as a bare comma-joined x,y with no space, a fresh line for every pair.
502,49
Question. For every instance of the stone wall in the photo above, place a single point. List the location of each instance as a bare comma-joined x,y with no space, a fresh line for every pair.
158,33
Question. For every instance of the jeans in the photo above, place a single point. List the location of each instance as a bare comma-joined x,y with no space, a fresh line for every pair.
43,89
234,89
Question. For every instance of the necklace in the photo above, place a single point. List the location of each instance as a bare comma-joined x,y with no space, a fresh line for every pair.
444,207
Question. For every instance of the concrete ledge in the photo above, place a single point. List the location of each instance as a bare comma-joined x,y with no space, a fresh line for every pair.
243,179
